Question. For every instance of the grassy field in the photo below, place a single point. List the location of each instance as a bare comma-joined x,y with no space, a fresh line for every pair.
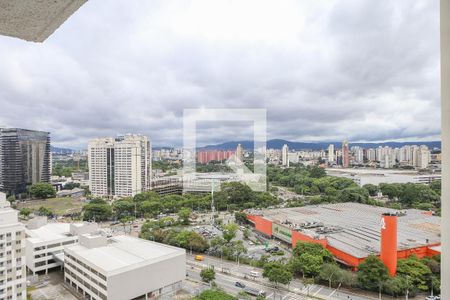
59,206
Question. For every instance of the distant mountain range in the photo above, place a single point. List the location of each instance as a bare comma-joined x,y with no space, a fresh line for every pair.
278,143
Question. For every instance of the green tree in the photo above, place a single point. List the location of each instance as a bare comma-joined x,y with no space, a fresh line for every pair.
372,273
146,196
184,214
71,186
229,231
214,295
395,286
312,249
189,240
123,208
238,249
331,273
435,185
44,211
308,264
97,211
277,273
371,189
416,270
208,275
317,172
391,190
417,193
433,264
150,208
237,192
42,190
25,212
240,217
353,194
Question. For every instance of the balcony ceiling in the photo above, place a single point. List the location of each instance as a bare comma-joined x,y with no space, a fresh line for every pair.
35,20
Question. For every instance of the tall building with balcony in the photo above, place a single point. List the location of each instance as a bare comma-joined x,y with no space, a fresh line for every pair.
423,157
285,155
240,152
12,253
119,167
345,154
331,158
24,159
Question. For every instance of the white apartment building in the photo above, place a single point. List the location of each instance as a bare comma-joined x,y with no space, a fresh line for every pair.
423,157
331,157
45,242
119,167
285,155
293,157
123,267
358,154
12,253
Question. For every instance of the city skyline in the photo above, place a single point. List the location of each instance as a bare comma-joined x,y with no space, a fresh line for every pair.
358,91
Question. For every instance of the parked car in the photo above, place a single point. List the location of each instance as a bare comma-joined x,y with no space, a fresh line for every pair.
254,292
239,284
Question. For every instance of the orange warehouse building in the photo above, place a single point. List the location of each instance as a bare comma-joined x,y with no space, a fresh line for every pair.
353,231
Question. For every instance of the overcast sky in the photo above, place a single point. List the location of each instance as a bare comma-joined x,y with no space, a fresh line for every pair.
324,70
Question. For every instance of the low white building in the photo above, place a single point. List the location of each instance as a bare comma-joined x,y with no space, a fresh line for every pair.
123,267
45,242
12,253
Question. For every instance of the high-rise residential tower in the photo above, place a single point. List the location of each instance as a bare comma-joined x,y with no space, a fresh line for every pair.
119,167
24,159
423,157
239,153
331,154
285,155
345,154
12,253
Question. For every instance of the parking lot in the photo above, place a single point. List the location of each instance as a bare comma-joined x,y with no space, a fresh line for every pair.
50,287
255,244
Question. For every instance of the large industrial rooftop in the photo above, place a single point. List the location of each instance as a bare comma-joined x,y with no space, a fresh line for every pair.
355,228
125,252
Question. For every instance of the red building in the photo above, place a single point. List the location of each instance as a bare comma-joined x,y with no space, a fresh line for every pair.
207,156
353,231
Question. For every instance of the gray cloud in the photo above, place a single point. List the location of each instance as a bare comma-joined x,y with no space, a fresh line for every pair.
331,70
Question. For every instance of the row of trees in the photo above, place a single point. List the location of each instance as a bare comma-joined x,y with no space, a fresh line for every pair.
413,275
233,196
66,168
315,263
313,182
408,194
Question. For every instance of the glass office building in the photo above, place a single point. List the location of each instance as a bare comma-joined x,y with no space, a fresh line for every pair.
24,159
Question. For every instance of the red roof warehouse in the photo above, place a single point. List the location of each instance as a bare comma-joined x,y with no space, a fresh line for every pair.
353,231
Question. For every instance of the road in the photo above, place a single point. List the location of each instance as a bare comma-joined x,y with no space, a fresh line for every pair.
227,273
227,283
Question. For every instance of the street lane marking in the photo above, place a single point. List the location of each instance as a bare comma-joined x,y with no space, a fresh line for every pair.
318,291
